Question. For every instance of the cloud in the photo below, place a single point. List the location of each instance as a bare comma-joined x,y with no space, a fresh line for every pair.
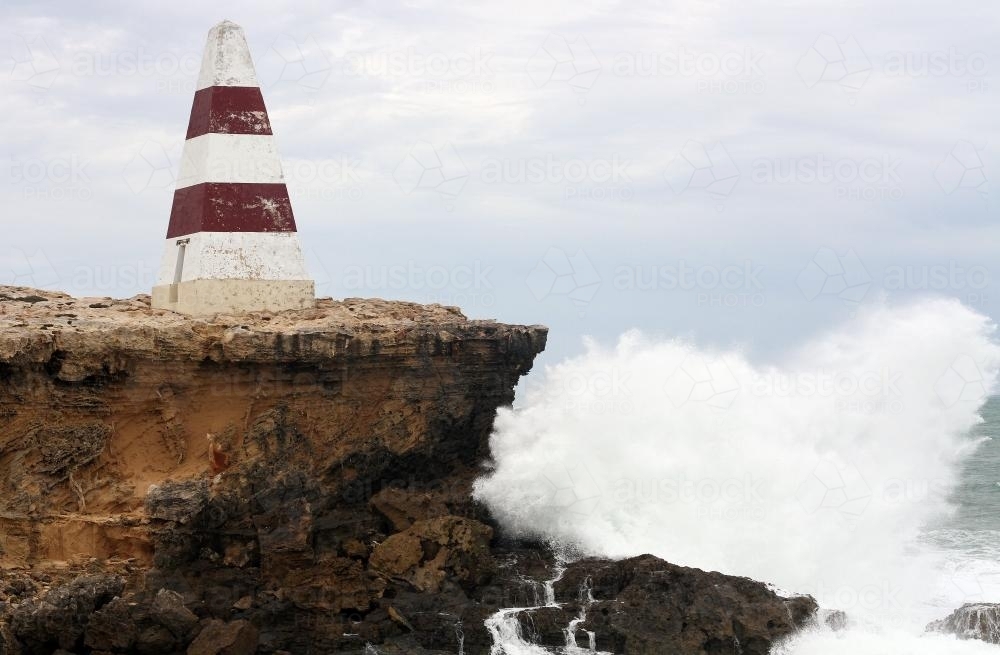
566,83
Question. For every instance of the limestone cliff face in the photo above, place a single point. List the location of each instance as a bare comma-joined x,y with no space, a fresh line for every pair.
102,399
249,441
276,483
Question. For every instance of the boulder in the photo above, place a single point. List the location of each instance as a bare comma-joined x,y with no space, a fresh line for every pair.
431,550
111,627
221,638
155,640
402,507
646,606
178,501
59,618
971,621
168,610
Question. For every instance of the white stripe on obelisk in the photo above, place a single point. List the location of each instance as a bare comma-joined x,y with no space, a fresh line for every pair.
239,158
235,255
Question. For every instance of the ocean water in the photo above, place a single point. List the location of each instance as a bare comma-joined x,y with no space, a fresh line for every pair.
966,555
861,467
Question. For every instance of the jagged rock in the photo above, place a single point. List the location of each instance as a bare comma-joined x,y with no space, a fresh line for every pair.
429,551
111,628
334,584
402,507
547,625
178,501
7,646
156,640
168,610
647,606
220,638
65,448
244,603
971,621
59,618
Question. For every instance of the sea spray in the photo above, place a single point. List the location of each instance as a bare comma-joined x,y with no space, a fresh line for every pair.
815,472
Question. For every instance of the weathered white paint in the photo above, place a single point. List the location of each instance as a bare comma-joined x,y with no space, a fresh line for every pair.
230,158
231,272
205,297
227,60
235,255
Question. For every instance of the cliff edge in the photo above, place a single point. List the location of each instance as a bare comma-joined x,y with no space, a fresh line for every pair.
295,482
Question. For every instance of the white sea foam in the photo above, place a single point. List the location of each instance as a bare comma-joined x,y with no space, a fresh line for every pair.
816,472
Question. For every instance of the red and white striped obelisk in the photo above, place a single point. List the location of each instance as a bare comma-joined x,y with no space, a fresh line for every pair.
231,244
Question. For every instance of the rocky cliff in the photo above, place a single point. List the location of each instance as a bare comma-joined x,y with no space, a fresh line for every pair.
295,482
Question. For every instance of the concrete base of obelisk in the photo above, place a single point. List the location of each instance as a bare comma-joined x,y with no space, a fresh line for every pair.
209,296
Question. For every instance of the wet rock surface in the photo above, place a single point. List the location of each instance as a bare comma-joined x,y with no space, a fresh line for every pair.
292,483
645,605
971,621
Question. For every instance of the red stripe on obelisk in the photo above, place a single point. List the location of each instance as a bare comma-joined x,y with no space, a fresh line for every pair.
228,110
231,207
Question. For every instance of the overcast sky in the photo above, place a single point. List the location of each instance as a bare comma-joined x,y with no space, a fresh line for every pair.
737,172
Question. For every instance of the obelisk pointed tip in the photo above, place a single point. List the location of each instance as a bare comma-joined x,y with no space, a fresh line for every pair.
227,60
226,25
